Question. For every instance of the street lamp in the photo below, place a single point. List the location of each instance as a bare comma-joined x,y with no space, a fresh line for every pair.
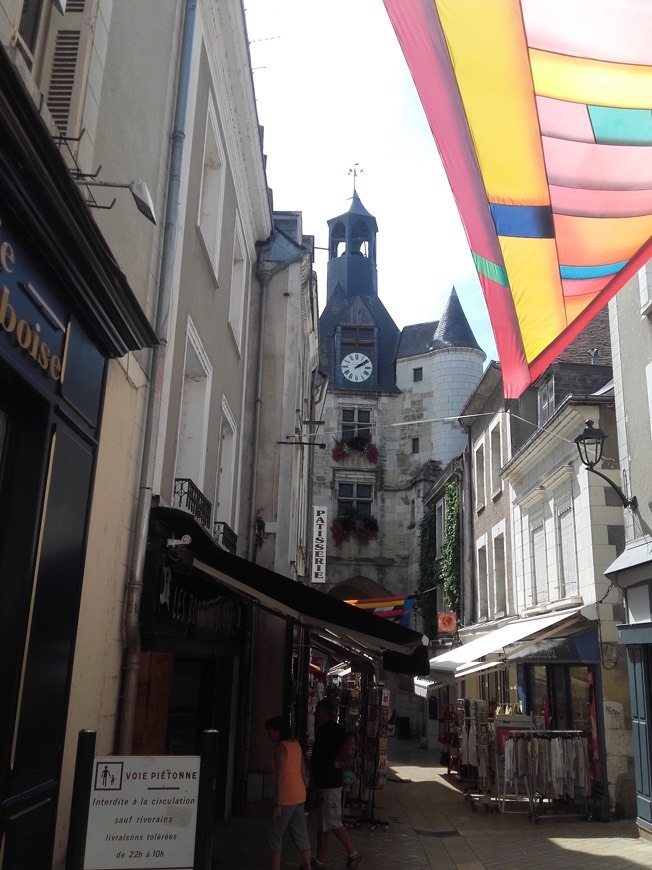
589,446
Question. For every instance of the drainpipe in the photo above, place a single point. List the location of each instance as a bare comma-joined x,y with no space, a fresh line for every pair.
264,274
134,585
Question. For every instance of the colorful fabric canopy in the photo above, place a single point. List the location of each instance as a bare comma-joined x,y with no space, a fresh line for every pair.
396,609
541,111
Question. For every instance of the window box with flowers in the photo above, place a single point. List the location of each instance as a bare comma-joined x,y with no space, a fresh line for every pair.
350,524
362,446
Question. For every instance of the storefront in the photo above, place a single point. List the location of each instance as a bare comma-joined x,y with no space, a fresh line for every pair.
560,685
208,612
546,667
632,572
65,308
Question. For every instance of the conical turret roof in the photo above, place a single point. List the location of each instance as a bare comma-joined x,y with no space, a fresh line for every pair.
453,329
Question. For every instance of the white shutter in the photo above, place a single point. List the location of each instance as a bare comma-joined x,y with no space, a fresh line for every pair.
567,552
539,563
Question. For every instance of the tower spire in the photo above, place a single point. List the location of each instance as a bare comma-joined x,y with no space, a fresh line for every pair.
355,172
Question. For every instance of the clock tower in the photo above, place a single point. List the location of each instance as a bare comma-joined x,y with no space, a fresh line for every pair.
358,338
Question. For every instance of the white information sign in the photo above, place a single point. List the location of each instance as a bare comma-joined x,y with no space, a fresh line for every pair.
319,529
142,813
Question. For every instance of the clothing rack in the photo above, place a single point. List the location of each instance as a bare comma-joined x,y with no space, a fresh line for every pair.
555,770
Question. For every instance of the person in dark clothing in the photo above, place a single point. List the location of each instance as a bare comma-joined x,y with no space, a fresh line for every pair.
331,746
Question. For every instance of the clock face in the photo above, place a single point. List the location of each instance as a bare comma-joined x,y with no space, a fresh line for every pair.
356,367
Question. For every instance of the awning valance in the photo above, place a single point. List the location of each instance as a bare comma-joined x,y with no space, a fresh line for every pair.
401,649
466,659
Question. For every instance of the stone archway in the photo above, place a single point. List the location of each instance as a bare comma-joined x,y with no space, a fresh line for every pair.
358,587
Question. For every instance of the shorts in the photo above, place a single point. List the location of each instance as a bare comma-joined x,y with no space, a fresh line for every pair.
292,819
330,809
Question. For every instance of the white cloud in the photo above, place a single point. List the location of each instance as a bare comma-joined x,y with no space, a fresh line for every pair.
333,89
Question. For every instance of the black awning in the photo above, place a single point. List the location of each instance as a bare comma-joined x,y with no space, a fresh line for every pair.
330,618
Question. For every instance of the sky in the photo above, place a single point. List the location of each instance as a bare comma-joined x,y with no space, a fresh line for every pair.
333,90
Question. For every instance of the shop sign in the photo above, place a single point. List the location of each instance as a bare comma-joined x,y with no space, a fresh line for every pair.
27,318
142,813
319,529
186,602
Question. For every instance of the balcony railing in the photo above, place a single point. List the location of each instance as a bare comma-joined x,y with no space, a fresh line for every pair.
187,495
225,536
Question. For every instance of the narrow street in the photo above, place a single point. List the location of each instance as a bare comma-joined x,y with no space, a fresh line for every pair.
430,824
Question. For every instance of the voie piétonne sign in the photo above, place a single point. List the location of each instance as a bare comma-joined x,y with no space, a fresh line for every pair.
142,813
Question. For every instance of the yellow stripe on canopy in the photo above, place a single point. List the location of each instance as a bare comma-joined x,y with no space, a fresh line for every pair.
534,276
496,87
592,82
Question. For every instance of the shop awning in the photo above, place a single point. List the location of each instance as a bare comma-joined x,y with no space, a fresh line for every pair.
467,658
401,649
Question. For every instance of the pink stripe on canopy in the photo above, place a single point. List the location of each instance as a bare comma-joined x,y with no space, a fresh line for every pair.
599,167
613,30
600,203
586,287
564,120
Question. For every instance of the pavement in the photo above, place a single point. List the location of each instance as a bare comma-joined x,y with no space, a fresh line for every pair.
424,819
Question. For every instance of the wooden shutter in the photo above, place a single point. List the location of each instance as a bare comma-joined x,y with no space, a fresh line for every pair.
65,64
567,551
539,563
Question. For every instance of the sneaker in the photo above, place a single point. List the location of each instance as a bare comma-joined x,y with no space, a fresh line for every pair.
353,861
317,865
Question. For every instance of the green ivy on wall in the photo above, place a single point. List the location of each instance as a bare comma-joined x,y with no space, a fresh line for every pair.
449,567
444,571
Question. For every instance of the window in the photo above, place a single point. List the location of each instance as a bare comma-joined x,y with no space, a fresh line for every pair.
417,374
226,469
567,551
239,272
354,496
499,576
193,422
211,198
482,583
354,338
546,400
415,445
356,425
645,289
539,566
479,478
496,461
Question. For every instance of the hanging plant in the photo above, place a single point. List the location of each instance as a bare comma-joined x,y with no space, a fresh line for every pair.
342,449
371,452
349,523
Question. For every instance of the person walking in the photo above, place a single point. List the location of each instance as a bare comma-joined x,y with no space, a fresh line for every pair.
290,778
329,751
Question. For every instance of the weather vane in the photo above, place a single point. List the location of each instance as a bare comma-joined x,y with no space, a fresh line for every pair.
355,172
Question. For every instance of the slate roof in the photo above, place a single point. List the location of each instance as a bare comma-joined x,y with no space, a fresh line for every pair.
416,339
453,329
356,208
388,338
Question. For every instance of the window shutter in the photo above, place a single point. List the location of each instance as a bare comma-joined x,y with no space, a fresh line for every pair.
65,65
539,562
567,552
